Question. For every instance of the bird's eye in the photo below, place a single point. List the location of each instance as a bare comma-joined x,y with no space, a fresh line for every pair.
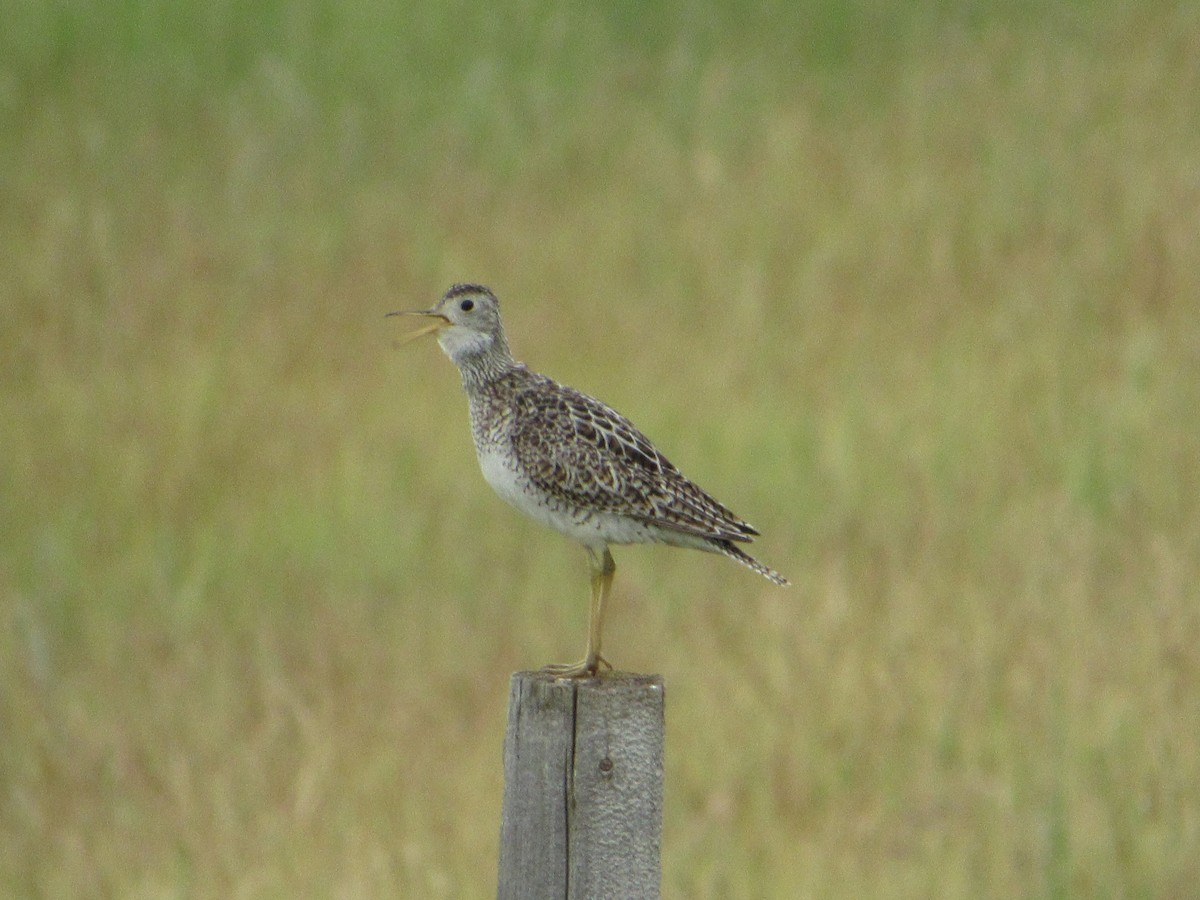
467,305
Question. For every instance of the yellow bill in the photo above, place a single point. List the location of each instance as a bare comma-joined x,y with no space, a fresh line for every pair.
439,323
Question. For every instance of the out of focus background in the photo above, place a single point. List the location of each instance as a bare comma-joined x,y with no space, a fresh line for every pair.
913,287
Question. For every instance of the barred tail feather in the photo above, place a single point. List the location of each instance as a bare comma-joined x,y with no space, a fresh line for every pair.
731,550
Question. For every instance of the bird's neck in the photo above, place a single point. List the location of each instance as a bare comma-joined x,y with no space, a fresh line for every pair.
478,370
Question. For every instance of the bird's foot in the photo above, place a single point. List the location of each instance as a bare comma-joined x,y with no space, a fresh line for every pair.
585,668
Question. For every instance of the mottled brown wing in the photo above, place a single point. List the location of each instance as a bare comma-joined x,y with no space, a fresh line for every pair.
588,455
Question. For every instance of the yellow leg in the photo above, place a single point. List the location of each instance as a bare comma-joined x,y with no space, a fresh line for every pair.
602,569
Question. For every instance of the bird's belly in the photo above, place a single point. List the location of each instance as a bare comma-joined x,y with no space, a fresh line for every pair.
591,527
505,480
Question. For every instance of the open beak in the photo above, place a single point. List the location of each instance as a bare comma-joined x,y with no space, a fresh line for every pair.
439,322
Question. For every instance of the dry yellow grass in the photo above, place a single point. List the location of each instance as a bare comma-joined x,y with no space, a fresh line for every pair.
923,309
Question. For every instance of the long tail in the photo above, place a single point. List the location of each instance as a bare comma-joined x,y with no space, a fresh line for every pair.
730,549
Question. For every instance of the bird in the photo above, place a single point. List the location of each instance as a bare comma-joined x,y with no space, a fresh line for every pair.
571,462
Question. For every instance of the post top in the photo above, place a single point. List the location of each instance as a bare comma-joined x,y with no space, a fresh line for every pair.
614,679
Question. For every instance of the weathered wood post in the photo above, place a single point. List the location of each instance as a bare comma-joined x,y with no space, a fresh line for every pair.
583,788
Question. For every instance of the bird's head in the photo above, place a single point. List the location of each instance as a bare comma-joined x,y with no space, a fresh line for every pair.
466,321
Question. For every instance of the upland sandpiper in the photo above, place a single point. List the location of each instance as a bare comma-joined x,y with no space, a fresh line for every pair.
571,462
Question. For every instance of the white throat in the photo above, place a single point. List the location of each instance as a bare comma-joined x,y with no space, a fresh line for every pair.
460,344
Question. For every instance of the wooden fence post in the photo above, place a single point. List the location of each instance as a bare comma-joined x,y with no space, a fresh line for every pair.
583,788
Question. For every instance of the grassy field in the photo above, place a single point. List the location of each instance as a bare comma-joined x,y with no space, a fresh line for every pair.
916,291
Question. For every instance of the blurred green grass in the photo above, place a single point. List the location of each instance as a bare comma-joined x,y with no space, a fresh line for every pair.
913,289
